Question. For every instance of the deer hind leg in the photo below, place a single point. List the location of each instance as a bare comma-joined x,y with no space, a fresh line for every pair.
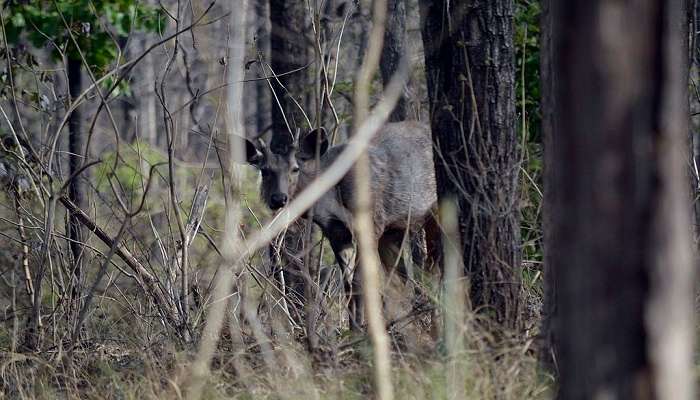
390,247
399,288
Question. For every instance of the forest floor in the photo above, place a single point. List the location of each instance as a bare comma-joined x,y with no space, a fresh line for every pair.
123,369
125,353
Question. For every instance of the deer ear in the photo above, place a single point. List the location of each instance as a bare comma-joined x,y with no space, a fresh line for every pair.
254,153
312,141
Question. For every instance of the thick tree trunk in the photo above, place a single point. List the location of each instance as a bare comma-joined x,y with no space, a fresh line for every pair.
76,189
290,52
619,230
289,49
695,107
469,58
394,51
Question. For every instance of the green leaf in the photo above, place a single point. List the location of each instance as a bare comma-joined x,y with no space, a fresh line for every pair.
18,20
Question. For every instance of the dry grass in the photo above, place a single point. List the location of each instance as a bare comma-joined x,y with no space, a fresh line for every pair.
121,369
125,352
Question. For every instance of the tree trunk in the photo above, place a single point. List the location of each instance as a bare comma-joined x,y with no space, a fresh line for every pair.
148,115
695,108
619,239
470,68
128,127
76,188
394,51
289,48
262,42
289,52
549,342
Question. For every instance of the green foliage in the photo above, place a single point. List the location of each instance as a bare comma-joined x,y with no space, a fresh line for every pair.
96,26
132,169
93,29
527,32
529,125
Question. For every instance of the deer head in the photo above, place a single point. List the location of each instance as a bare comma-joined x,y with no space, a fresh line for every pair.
281,166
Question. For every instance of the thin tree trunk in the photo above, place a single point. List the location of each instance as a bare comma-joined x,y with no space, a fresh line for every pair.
619,217
76,189
469,58
262,41
547,88
231,248
370,267
128,107
394,51
147,102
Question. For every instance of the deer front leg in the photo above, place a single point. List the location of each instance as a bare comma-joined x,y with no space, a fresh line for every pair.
346,256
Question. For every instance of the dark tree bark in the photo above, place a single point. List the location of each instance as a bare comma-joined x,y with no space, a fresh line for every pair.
394,51
547,89
619,225
76,189
262,42
695,107
469,58
289,48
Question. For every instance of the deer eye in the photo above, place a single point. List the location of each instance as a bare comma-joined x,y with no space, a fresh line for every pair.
265,172
295,169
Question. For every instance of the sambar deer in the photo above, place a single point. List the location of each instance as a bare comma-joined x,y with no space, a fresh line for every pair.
402,184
